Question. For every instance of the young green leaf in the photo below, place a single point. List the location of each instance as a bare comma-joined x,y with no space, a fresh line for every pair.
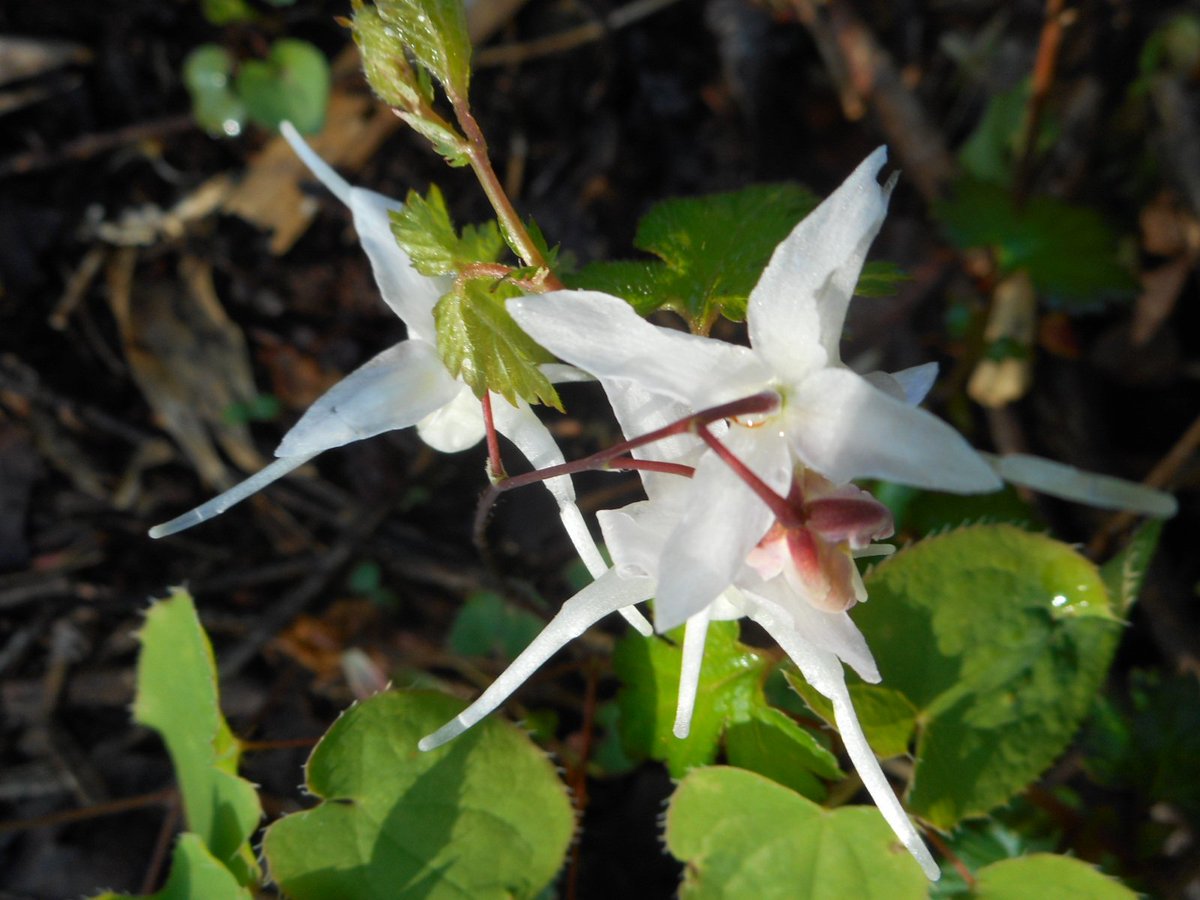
479,341
1000,639
424,229
177,697
1125,572
291,84
771,744
712,251
742,835
1054,876
435,32
208,76
385,64
195,873
487,625
730,691
887,717
484,816
1069,252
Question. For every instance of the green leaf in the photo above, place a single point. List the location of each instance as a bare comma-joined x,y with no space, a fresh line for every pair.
1000,639
771,744
479,342
291,84
713,250
926,512
484,816
195,873
730,690
435,32
177,697
1070,253
1145,741
1059,877
207,74
487,626
384,62
1125,572
742,835
424,229
226,12
887,717
980,843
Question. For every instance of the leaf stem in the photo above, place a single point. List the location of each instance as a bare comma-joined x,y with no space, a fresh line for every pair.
510,222
495,464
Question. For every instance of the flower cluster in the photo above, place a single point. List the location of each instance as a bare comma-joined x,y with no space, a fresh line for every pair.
769,524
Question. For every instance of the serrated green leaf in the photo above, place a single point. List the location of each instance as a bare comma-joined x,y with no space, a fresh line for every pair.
771,744
981,843
743,835
713,250
1000,639
208,76
887,717
446,141
1069,252
291,84
1125,572
926,512
484,816
195,873
435,32
385,64
730,691
479,342
424,230
177,697
488,626
1059,877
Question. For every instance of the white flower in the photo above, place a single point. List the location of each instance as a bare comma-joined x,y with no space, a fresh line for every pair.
830,419
407,384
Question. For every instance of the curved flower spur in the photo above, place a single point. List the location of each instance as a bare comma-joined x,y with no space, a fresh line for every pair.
768,524
407,384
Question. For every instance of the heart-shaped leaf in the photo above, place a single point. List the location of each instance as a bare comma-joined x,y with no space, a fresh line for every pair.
484,816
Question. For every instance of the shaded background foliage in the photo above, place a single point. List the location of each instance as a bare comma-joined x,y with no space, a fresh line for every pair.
332,584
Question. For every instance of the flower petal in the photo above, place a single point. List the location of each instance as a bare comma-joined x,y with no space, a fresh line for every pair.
455,427
395,389
844,428
832,632
910,385
694,633
722,523
1103,491
235,494
823,671
604,595
604,336
796,311
410,294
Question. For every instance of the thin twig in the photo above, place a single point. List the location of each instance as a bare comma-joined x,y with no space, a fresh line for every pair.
94,144
95,811
1044,67
1160,476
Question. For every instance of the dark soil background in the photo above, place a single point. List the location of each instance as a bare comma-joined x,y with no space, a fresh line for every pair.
117,369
